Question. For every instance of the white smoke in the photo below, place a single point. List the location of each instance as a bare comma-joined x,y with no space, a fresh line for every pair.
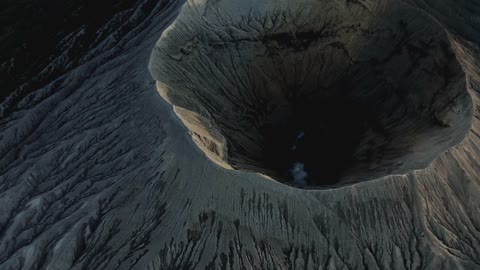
299,174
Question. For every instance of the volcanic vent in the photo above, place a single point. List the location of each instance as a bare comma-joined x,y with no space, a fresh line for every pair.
316,93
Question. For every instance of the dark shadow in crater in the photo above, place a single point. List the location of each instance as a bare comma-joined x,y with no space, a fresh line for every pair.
317,145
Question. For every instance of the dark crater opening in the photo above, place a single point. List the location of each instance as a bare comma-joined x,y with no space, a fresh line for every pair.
316,99
315,145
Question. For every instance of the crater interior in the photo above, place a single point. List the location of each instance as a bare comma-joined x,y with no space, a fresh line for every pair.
315,94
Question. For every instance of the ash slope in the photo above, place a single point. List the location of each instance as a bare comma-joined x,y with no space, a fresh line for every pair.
98,173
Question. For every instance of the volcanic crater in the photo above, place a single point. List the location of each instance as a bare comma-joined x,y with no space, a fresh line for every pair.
314,97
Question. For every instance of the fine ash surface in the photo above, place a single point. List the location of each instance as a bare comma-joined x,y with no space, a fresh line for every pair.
97,172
